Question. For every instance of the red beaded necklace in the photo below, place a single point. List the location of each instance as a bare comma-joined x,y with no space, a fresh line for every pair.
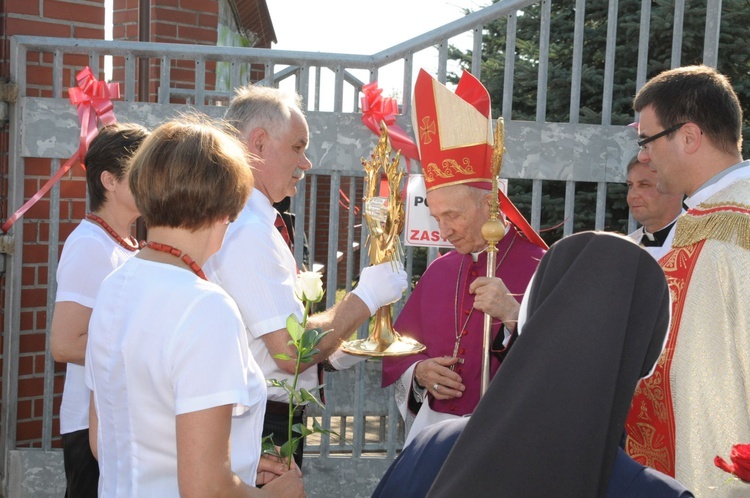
130,245
156,246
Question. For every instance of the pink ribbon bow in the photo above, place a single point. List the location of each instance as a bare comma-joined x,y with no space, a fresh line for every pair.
376,108
93,99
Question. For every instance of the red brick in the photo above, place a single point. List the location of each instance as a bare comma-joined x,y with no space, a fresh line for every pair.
39,363
38,407
28,275
29,343
25,364
166,33
23,409
30,233
30,386
40,210
78,210
34,298
208,20
27,320
38,75
200,5
28,430
125,17
41,273
175,16
36,166
201,36
77,12
22,7
87,32
75,189
29,27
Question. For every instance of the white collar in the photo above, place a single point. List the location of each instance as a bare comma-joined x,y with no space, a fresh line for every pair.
718,182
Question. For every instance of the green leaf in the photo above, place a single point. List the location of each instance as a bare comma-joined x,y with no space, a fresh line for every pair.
283,356
288,448
302,430
307,396
294,327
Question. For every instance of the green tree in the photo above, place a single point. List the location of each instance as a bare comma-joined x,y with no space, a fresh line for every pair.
734,61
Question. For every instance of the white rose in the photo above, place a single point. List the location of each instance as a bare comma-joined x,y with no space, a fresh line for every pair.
309,286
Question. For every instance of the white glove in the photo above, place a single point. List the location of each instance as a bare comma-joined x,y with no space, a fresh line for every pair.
381,285
341,360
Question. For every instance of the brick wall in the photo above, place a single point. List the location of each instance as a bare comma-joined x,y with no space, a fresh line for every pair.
185,21
172,21
79,19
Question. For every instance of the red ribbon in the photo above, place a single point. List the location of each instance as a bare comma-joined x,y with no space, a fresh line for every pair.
376,108
93,99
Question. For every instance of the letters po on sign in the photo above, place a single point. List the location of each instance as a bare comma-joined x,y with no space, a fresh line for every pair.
421,229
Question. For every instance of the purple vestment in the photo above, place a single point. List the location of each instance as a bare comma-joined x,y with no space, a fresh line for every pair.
430,313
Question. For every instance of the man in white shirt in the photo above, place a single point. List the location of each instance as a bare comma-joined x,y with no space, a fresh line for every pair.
656,212
695,406
255,264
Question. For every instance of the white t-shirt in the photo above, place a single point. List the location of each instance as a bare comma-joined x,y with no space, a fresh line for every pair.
256,268
163,342
88,256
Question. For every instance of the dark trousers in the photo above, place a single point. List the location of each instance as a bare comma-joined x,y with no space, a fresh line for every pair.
81,468
278,425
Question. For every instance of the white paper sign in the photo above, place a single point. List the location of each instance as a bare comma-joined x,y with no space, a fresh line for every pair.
421,229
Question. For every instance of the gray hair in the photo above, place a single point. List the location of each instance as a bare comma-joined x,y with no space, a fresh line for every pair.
261,107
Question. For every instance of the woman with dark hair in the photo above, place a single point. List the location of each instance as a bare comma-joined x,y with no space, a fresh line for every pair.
592,324
178,400
98,245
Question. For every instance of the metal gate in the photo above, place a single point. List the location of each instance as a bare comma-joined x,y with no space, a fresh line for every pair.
46,126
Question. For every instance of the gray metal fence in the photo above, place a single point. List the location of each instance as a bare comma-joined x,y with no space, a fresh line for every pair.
47,127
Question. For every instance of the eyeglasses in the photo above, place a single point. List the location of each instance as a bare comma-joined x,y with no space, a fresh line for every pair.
642,143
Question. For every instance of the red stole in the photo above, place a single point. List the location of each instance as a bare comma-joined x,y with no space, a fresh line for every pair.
650,424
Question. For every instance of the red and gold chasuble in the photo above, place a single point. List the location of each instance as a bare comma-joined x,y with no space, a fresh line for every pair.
651,424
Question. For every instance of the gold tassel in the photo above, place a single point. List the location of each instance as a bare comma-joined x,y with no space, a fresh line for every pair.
725,226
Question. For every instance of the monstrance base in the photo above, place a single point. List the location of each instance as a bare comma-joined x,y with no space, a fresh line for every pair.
402,346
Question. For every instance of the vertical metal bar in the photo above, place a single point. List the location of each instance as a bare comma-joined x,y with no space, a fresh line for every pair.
338,96
129,62
541,95
601,205
679,18
200,81
408,77
575,76
52,252
643,35
317,88
331,278
476,54
54,237
536,204
303,84
164,79
299,201
609,62
442,68
570,198
311,227
235,75
510,61
350,233
713,27
14,262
